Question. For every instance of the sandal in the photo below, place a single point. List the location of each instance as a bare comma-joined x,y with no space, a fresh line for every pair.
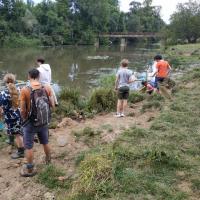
28,170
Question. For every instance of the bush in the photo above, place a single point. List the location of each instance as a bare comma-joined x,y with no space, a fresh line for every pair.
107,81
136,97
70,95
102,99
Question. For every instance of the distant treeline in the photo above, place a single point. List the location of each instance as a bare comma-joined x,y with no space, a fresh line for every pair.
64,22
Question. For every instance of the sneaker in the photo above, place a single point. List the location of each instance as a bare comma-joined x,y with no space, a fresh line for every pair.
27,171
117,115
17,155
122,115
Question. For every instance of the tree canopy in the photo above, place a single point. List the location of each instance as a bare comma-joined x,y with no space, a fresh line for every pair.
63,22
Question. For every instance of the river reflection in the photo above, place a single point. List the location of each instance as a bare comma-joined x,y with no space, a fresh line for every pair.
75,66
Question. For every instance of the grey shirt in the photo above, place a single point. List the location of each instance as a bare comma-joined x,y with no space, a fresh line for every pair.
124,75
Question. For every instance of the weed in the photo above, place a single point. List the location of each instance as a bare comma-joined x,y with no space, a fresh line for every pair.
107,81
136,97
154,104
102,100
49,177
196,184
95,177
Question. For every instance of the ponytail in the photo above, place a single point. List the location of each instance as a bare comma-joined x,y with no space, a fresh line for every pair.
9,79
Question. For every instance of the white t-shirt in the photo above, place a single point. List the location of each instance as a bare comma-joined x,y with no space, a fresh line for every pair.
45,73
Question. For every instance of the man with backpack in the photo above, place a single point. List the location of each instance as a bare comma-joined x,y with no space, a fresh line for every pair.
35,103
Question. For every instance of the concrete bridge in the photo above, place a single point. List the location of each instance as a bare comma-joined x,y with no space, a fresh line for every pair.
125,35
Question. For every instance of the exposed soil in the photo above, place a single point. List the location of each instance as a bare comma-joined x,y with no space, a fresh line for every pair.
14,187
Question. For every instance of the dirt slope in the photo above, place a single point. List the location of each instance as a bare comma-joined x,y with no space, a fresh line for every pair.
14,187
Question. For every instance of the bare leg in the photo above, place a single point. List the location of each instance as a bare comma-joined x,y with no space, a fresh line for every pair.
29,156
124,105
19,141
47,151
119,106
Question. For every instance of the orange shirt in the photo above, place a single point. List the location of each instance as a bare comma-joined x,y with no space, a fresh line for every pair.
163,68
25,98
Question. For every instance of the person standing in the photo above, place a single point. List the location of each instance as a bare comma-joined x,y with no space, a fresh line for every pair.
35,103
123,79
9,102
45,75
161,74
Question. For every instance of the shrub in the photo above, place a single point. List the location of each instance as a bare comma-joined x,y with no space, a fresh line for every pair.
107,81
71,95
102,99
135,97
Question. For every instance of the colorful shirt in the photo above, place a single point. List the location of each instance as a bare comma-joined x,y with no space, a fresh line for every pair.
163,68
11,116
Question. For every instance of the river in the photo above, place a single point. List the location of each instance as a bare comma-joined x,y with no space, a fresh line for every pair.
79,66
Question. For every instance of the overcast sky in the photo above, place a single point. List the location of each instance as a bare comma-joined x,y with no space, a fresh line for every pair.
168,6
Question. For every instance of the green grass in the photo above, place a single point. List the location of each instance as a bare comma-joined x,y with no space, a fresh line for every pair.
49,177
144,163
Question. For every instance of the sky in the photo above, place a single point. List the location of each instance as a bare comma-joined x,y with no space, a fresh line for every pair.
168,6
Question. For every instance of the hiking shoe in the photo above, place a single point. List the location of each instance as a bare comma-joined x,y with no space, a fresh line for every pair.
17,155
122,115
28,170
117,115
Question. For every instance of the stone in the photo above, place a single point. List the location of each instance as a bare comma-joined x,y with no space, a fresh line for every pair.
62,141
49,196
66,122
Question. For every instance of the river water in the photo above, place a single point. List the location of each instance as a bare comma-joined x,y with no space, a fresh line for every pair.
76,66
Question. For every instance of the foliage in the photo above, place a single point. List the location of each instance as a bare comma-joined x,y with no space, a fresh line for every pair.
136,97
102,100
63,22
185,23
107,81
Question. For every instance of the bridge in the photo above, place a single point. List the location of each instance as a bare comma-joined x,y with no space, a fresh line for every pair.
125,35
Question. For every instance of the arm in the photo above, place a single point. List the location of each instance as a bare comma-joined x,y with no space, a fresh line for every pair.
23,105
51,97
156,71
116,82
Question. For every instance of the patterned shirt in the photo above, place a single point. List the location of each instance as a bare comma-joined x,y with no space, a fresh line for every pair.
11,115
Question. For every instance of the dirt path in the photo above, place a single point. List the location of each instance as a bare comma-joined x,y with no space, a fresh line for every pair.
14,187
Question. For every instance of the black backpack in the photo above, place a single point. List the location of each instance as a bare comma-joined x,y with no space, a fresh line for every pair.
40,113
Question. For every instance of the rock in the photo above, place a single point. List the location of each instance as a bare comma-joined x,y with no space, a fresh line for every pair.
49,196
66,122
62,141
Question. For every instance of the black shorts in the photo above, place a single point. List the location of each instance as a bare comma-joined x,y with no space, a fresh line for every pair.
123,92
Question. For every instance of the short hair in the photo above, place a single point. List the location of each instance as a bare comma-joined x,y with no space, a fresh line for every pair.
34,73
41,60
144,82
158,57
124,63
